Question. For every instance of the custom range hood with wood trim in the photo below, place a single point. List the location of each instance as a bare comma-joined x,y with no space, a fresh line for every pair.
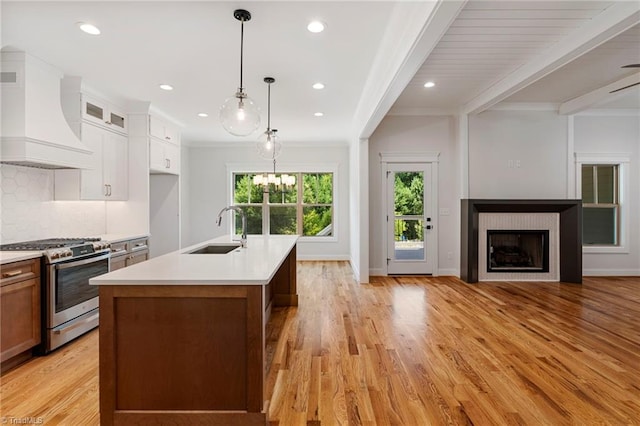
34,130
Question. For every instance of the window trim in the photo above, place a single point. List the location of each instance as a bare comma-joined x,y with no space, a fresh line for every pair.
622,160
290,168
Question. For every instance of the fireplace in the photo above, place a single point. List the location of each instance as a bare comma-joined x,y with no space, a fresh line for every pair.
567,260
524,250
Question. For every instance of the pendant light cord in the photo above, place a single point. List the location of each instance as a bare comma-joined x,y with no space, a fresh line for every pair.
269,108
241,51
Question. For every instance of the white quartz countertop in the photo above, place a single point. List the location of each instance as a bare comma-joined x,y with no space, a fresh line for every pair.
16,256
116,238
255,264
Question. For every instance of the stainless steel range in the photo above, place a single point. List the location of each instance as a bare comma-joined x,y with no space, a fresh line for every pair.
70,304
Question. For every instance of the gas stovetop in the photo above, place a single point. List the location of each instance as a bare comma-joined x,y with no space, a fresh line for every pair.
58,249
46,244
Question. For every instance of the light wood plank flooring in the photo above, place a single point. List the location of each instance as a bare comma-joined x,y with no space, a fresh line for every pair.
410,351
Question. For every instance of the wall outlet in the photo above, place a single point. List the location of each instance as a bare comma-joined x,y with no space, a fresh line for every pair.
444,212
449,255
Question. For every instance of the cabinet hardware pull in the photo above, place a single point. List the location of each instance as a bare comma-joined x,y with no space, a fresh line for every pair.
108,122
168,138
106,190
12,273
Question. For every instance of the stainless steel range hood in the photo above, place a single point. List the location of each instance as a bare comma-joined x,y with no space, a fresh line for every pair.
34,130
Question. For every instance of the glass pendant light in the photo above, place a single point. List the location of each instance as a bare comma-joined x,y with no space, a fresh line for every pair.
269,146
239,115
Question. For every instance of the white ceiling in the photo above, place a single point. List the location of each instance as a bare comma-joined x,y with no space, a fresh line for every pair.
367,55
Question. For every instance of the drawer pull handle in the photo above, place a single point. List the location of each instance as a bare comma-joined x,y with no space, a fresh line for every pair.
12,273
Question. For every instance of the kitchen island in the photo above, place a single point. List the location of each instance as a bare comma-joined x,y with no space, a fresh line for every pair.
182,336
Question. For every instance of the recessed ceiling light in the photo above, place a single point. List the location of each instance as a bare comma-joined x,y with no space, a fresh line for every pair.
318,86
429,84
166,87
315,27
89,28
203,114
319,114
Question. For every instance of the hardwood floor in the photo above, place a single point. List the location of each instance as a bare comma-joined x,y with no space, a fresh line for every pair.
410,351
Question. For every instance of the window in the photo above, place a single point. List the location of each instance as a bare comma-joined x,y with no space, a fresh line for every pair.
305,206
600,208
601,183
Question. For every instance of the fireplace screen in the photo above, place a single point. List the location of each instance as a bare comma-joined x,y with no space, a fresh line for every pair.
517,251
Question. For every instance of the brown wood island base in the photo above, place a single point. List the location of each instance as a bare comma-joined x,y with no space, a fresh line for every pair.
188,354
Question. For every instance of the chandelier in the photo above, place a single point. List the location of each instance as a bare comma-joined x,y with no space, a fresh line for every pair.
273,181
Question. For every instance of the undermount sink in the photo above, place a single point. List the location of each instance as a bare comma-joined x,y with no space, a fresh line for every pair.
215,249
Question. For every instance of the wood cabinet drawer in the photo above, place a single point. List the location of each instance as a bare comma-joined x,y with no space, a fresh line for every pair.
19,271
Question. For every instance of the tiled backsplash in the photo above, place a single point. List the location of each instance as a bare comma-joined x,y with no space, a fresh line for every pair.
29,211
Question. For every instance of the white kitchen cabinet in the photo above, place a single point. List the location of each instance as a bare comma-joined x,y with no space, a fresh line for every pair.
164,130
164,147
106,177
103,114
164,157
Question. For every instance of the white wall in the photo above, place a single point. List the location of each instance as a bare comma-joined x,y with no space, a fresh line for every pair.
620,135
518,154
164,214
185,191
209,191
417,134
29,211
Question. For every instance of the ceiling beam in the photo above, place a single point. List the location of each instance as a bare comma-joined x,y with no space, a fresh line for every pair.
611,22
414,31
603,94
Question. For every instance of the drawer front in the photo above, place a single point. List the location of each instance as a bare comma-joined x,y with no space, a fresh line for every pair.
118,249
138,245
19,271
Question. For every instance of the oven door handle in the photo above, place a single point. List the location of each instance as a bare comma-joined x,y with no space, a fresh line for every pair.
78,324
82,261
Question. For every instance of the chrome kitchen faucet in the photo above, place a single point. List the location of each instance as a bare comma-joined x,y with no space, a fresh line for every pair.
243,238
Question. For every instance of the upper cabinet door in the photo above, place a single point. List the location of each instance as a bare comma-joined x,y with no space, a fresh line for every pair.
104,114
116,166
161,129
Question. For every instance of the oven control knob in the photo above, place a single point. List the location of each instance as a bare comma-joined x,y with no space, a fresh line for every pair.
55,255
67,253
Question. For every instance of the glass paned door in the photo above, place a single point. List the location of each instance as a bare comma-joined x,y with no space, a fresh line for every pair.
409,220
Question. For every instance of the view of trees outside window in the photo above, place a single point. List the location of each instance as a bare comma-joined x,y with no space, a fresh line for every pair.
600,205
409,196
304,208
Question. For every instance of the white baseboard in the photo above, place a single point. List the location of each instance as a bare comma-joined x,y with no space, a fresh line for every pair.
611,272
377,272
323,257
380,272
452,272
